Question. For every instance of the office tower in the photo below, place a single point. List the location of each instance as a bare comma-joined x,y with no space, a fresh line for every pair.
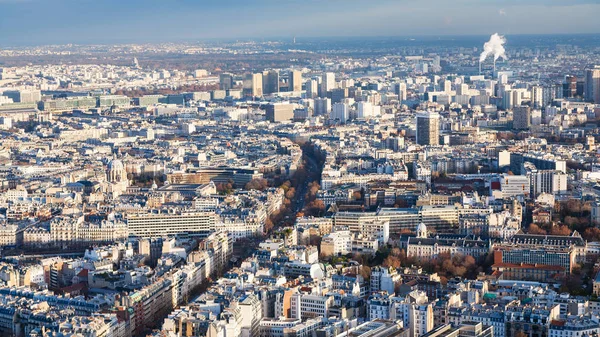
364,110
400,90
518,96
347,83
312,89
279,112
537,96
570,86
428,128
327,83
225,81
270,82
592,84
536,117
302,114
447,86
521,118
338,95
437,63
253,85
547,95
341,112
462,89
502,89
322,106
557,91
490,87
295,81
507,99
546,181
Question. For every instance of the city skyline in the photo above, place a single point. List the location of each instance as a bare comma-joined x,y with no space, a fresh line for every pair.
81,22
299,168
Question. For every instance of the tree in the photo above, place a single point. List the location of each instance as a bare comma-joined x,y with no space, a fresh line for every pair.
365,272
520,333
315,240
574,206
450,266
392,261
313,188
269,225
286,186
257,184
224,188
535,229
358,258
591,234
315,208
290,193
560,230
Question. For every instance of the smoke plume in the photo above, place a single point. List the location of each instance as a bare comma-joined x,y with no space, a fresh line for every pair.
495,46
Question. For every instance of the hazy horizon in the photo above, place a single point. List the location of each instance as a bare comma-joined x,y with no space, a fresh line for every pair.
43,22
305,39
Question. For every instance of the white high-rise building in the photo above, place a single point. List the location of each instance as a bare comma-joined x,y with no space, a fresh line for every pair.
547,181
365,110
322,106
447,86
341,112
312,89
537,96
401,91
327,84
462,89
592,84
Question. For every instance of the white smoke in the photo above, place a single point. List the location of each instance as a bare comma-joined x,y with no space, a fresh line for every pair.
495,46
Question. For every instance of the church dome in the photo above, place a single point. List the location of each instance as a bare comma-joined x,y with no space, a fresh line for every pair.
116,165
421,230
116,171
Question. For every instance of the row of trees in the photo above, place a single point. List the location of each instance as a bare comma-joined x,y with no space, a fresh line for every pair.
225,188
445,265
260,184
313,207
544,229
316,158
569,216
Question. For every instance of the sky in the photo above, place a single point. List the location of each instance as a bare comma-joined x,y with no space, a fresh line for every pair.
38,22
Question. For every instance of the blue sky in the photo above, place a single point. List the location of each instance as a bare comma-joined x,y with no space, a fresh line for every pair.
29,22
